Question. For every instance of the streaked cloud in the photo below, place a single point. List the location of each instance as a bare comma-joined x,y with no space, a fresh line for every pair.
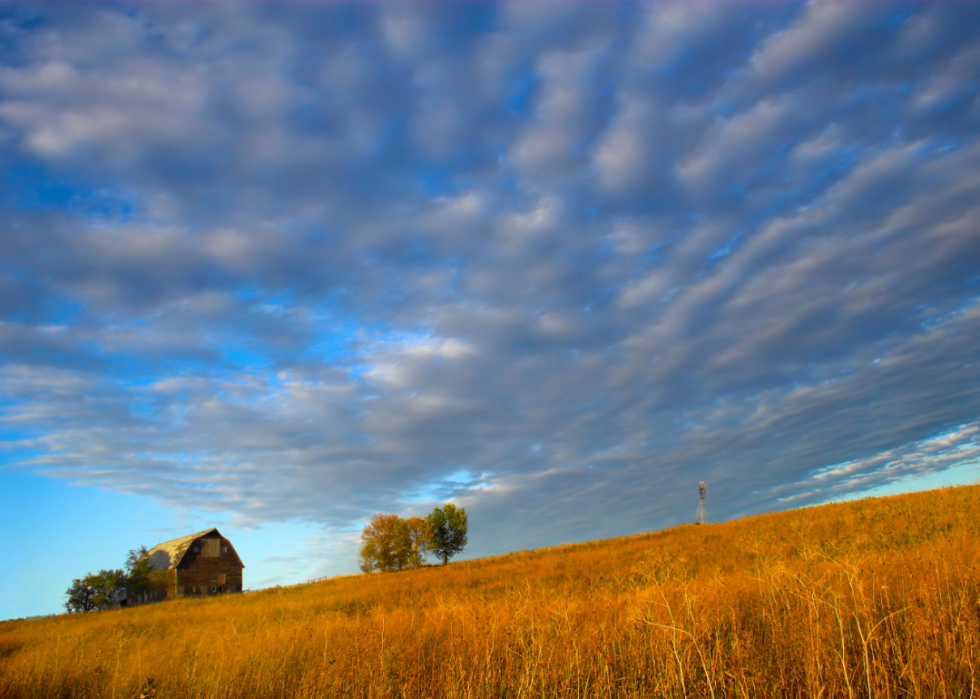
557,262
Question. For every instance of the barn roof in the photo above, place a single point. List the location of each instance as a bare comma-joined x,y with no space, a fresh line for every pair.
169,554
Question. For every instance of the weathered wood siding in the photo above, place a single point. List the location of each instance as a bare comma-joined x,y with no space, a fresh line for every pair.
212,566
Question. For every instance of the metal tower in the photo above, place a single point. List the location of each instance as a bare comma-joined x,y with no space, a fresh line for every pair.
702,516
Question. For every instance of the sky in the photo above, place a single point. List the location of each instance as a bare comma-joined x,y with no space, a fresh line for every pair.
275,267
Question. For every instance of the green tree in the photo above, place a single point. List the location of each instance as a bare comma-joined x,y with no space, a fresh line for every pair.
448,531
94,592
138,572
412,541
161,581
80,595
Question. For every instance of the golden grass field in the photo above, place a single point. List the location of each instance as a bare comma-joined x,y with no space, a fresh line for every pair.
874,598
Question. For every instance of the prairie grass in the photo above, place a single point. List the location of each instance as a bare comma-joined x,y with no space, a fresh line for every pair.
874,598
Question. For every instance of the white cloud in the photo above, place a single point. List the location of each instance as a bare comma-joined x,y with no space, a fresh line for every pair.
627,149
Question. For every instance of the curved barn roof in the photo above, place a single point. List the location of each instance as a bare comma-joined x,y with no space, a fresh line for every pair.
169,554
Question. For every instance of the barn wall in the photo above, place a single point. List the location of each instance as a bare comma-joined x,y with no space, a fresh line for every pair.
203,573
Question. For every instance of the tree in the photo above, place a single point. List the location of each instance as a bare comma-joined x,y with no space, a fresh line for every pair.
160,581
379,543
94,592
139,572
412,542
448,531
389,542
80,595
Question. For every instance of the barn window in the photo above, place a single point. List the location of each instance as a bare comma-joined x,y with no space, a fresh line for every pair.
224,549
222,578
214,588
212,548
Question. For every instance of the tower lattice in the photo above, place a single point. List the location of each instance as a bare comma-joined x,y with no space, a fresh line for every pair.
702,516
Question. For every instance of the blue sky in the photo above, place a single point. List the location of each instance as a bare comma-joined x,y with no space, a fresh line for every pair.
276,267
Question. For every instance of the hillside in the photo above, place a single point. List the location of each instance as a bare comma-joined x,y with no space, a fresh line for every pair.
869,598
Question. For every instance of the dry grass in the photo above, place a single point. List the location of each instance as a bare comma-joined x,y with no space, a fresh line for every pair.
876,598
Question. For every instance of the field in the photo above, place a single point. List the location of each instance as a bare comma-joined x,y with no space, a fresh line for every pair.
874,598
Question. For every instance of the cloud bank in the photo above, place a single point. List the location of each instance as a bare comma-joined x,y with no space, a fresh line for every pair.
556,262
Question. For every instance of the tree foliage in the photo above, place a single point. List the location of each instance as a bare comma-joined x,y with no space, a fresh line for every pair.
414,535
379,543
139,572
160,581
449,527
95,591
389,542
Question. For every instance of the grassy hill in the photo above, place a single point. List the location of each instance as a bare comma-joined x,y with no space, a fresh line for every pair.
870,598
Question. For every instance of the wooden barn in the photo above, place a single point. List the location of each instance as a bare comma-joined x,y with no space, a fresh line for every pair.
204,563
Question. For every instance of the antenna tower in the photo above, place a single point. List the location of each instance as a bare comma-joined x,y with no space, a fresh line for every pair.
702,516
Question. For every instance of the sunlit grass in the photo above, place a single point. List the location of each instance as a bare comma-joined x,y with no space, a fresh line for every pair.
870,598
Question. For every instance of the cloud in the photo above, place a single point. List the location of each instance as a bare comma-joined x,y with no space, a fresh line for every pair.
316,262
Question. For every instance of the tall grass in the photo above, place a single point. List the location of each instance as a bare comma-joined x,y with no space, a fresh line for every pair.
875,598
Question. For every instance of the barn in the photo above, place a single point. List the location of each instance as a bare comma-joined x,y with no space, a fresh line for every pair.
204,563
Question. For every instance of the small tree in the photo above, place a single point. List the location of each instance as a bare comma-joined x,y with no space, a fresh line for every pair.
138,571
80,595
160,581
413,538
391,543
94,592
449,526
379,543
